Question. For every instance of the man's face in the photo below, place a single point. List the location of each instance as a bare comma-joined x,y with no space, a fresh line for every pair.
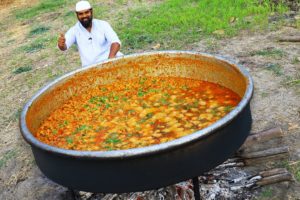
85,17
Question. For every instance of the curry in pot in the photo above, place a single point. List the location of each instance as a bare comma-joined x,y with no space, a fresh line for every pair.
136,113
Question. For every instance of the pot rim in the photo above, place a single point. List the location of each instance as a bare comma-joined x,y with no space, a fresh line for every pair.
148,150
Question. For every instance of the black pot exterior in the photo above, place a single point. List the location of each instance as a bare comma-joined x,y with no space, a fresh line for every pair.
150,167
146,172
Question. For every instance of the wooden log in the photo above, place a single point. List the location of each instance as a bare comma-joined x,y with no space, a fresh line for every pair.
232,160
248,184
289,39
264,153
232,164
262,136
275,179
265,160
273,172
276,129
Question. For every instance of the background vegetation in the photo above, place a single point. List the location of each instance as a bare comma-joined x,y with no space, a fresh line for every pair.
172,23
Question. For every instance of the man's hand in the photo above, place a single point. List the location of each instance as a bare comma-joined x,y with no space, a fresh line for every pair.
114,48
62,42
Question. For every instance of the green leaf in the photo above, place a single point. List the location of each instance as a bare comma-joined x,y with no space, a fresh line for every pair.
141,93
113,138
228,108
148,116
82,128
116,98
69,140
22,69
164,101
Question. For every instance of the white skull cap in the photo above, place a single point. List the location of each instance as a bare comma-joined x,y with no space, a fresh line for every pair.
82,5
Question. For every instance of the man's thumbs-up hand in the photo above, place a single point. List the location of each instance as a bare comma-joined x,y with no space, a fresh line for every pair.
62,42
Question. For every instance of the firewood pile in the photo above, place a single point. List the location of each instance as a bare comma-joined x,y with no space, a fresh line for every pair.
252,166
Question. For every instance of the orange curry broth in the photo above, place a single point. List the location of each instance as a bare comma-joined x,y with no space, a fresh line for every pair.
136,113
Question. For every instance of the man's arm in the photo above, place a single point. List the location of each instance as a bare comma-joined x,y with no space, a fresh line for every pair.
61,42
111,37
114,48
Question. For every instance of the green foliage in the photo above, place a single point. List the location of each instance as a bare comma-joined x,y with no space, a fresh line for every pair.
298,174
295,168
6,157
275,68
296,60
121,1
298,23
43,7
264,94
34,47
39,30
267,192
39,44
70,14
10,41
271,52
294,82
102,11
177,22
291,166
22,69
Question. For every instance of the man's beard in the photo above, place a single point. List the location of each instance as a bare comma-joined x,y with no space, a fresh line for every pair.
86,23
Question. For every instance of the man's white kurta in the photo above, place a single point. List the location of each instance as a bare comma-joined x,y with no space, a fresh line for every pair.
93,46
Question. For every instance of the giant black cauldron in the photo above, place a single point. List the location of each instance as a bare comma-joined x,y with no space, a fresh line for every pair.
149,167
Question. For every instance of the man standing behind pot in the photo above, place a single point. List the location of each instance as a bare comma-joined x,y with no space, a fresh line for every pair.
95,39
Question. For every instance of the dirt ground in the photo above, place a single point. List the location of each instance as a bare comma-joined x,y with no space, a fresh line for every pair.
275,102
274,67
